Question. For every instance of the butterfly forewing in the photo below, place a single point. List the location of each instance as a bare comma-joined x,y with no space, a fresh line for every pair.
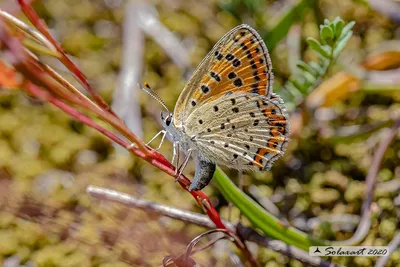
242,131
227,112
239,62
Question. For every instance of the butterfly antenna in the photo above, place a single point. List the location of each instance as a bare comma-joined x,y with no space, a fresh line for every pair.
154,95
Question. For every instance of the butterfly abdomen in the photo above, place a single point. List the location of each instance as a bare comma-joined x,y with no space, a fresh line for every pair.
203,175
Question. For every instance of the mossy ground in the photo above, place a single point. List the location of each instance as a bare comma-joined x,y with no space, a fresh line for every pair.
47,159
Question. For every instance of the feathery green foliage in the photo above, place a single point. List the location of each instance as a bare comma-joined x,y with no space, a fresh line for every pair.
334,36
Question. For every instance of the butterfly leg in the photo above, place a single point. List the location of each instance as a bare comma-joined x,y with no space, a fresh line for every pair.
164,132
183,166
175,154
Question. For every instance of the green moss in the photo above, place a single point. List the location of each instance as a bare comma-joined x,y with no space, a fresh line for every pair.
28,233
363,261
6,220
9,242
49,256
386,204
387,228
76,258
324,195
355,191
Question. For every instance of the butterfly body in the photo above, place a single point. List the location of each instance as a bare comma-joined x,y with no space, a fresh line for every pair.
227,113
204,166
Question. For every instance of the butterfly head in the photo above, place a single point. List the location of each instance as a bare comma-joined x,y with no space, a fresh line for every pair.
166,119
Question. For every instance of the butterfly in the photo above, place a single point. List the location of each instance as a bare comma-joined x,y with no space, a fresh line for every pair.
227,113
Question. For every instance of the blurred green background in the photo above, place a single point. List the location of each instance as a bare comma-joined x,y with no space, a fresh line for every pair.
47,159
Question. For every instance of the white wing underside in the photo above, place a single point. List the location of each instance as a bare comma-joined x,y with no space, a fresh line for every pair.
242,131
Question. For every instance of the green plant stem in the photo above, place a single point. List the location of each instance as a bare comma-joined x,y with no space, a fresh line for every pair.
260,218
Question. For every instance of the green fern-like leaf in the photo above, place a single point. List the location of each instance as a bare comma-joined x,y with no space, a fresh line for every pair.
334,36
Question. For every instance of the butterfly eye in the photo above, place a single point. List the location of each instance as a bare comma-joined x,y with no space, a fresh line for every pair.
168,120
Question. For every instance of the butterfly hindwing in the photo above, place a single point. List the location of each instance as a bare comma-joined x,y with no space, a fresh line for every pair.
239,62
242,131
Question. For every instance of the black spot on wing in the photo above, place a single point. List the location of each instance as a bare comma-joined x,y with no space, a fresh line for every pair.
232,75
205,89
236,62
215,76
229,57
238,82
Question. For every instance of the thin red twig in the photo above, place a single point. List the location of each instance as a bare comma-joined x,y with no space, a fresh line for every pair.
102,109
158,161
37,22
40,77
21,60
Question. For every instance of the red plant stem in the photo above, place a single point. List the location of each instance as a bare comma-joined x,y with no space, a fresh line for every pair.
35,19
31,68
23,62
158,160
36,70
